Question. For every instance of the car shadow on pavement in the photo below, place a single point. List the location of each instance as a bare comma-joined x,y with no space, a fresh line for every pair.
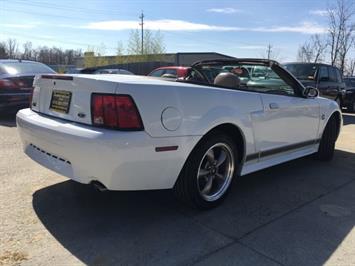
348,118
277,212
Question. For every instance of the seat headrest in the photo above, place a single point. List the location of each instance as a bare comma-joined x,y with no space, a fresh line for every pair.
227,79
241,72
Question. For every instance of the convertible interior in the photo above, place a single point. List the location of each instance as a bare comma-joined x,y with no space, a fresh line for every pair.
257,75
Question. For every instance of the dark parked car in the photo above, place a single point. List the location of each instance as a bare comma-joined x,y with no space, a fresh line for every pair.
113,71
74,70
326,78
349,94
16,78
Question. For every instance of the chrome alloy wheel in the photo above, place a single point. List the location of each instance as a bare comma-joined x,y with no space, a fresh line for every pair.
215,172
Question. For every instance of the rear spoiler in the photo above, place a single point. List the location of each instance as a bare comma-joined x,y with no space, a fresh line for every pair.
61,77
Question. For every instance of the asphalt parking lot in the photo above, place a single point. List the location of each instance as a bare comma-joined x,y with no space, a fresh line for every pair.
298,213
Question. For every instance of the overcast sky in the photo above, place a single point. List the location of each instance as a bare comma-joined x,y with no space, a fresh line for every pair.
238,28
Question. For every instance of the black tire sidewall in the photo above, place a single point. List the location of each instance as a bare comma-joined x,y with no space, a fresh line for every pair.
351,106
190,170
327,143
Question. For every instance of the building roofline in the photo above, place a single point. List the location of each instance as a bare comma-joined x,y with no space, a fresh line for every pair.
235,60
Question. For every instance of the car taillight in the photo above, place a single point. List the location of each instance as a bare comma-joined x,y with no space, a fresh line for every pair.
7,84
16,83
115,111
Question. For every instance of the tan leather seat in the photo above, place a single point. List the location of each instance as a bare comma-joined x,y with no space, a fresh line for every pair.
227,79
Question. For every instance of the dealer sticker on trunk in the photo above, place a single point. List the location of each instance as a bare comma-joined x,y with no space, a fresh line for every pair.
60,101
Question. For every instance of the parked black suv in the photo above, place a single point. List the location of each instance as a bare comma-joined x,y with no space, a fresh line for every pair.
326,78
349,94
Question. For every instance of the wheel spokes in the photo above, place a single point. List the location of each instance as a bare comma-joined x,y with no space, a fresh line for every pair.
210,155
203,172
215,171
208,186
220,177
222,157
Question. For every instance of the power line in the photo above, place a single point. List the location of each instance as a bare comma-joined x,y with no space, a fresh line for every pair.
55,6
53,15
39,38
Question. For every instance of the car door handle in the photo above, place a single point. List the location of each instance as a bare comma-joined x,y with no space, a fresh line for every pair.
274,106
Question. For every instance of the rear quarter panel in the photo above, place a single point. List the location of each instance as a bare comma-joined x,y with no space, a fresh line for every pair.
200,108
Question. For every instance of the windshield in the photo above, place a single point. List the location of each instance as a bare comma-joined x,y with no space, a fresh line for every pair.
302,71
25,68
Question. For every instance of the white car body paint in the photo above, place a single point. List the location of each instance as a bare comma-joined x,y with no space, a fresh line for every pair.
173,114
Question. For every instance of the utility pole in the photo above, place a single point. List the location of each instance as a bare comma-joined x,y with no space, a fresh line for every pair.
142,32
269,51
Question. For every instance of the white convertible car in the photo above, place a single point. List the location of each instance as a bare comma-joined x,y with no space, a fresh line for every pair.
227,118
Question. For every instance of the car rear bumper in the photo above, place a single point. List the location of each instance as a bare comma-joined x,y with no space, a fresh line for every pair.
119,160
348,99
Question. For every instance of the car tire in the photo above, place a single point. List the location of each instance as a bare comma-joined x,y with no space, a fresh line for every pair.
208,172
351,106
327,142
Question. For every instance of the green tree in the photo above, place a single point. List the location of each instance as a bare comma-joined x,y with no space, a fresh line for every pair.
134,43
153,45
120,48
119,54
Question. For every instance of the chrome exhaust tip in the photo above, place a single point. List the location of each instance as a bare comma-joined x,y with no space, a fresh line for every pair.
99,186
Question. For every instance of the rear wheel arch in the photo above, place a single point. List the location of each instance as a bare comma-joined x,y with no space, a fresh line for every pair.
228,129
232,131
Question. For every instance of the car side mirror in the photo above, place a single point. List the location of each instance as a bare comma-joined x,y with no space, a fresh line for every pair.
310,92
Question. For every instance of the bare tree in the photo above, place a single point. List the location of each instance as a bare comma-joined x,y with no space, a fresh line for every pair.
27,51
3,50
12,48
305,53
312,51
341,31
319,46
55,55
350,67
271,53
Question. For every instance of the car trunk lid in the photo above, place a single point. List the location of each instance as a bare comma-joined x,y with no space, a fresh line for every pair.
68,97
16,84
